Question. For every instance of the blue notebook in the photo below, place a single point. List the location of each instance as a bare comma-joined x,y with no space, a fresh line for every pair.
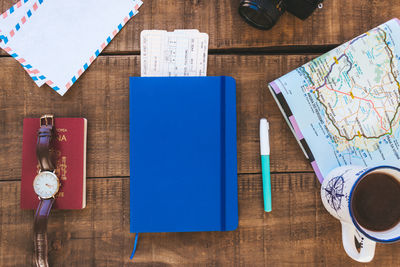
183,159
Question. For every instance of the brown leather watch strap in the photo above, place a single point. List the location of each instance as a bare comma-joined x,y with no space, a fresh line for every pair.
45,136
45,159
40,231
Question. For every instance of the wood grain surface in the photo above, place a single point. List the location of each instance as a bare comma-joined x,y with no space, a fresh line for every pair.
299,232
338,21
101,96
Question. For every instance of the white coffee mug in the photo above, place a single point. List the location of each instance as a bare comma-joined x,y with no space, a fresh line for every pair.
336,194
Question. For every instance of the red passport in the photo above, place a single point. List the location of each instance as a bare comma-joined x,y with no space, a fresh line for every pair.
70,158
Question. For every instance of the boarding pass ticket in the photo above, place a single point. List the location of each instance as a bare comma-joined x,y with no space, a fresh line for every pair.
177,53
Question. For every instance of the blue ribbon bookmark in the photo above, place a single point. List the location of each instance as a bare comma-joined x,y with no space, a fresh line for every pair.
134,246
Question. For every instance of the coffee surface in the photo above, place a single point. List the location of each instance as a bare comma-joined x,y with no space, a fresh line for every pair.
376,202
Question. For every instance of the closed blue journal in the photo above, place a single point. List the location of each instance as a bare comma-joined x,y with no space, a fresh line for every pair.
183,160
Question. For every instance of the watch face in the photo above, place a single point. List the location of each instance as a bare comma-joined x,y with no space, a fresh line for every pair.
46,184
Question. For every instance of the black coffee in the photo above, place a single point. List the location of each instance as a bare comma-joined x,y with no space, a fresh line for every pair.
376,202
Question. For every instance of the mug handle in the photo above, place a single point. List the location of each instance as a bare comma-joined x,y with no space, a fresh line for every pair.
367,250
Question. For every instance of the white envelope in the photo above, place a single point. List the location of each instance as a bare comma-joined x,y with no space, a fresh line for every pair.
12,21
60,41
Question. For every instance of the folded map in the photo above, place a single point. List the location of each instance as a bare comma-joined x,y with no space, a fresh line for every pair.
343,106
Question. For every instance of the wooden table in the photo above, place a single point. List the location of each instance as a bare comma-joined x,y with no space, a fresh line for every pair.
299,232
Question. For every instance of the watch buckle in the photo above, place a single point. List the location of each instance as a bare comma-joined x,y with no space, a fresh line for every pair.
47,120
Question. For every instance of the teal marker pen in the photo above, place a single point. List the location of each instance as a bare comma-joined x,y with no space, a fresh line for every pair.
266,173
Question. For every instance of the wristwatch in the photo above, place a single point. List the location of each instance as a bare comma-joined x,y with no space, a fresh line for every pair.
46,186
